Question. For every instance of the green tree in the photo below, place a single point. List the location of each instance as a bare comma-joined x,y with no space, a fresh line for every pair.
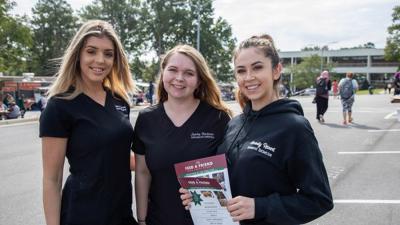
165,24
392,49
151,27
311,48
168,23
15,41
53,25
217,47
369,45
305,73
124,16
366,45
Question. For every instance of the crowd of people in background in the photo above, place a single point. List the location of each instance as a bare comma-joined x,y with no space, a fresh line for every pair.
10,109
345,90
13,108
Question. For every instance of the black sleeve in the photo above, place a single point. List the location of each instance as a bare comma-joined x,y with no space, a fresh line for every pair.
307,172
329,85
225,118
138,145
128,109
53,120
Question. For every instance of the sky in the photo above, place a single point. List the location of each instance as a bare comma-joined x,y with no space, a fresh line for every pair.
295,24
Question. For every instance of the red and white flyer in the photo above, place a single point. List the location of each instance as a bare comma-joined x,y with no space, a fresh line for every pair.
208,181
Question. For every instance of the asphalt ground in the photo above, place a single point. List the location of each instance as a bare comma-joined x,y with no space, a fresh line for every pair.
362,162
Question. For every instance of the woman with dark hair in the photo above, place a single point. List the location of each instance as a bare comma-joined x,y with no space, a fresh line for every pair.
396,83
275,166
323,86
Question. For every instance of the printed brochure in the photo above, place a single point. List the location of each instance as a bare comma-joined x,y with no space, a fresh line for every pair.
208,181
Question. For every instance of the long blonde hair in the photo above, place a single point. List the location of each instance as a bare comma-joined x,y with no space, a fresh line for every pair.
119,81
207,90
265,44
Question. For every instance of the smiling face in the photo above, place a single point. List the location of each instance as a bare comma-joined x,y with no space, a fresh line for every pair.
180,78
96,59
255,76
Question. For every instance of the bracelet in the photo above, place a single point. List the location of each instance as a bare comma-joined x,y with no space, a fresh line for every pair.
141,221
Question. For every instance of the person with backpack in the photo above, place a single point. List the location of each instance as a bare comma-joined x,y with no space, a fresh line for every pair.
396,83
347,88
323,86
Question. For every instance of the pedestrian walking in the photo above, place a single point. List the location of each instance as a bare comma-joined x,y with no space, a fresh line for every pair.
21,104
275,166
323,86
335,88
187,123
42,103
348,87
87,121
396,83
150,92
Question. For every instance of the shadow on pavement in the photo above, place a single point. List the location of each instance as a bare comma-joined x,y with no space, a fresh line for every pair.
354,125
334,125
363,127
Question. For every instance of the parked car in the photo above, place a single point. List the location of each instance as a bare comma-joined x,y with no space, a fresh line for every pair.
310,91
307,92
227,95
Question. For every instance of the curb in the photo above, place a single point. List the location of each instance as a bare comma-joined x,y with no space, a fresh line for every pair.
15,121
36,118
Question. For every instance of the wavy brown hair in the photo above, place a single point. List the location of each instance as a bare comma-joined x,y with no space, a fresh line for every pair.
119,81
266,45
207,90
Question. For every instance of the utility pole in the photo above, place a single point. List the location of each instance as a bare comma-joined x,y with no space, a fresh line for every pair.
322,52
198,11
198,26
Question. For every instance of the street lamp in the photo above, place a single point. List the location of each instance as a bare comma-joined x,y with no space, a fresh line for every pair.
322,51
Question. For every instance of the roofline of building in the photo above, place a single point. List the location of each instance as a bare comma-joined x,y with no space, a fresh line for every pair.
334,53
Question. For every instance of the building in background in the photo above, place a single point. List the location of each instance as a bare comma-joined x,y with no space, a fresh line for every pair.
366,63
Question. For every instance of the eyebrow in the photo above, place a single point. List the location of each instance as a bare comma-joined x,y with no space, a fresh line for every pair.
91,46
255,63
172,66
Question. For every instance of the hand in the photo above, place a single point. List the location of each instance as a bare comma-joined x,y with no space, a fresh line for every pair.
241,208
186,198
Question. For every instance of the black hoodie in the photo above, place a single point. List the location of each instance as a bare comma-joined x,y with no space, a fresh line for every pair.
273,156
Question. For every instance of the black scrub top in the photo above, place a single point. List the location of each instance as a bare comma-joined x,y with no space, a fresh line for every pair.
98,189
164,144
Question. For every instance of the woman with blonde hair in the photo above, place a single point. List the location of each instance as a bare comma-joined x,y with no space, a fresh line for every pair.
87,121
187,123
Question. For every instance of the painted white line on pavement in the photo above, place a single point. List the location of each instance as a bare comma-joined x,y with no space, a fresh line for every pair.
390,115
18,124
365,201
371,152
391,130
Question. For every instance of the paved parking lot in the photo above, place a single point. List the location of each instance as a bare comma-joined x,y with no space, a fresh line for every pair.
362,162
